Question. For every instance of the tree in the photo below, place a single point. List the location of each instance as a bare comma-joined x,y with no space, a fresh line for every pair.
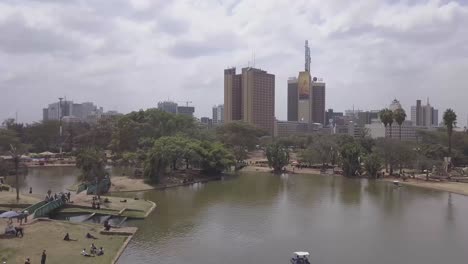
240,137
16,154
373,165
350,159
278,156
92,163
400,116
450,120
386,116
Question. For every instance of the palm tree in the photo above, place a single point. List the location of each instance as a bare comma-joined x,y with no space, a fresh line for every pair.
450,120
386,117
400,116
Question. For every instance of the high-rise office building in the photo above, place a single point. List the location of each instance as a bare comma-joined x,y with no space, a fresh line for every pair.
424,115
232,95
306,96
185,110
168,106
86,111
218,114
250,97
318,102
293,99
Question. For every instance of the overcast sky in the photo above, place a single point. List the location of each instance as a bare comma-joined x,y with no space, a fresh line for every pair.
129,54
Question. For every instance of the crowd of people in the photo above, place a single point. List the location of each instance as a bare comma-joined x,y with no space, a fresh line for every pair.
65,197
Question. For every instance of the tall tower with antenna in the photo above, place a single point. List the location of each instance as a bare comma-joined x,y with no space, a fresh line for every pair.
307,56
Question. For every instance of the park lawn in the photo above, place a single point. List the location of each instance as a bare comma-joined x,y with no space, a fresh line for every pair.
49,235
9,198
133,208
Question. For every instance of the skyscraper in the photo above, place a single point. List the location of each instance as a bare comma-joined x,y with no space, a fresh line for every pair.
306,96
250,97
232,95
293,99
168,106
218,114
318,102
424,115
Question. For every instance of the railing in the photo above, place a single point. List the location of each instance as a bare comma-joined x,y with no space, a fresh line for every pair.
31,209
81,188
48,207
104,186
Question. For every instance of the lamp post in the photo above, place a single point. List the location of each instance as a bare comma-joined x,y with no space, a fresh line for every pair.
60,122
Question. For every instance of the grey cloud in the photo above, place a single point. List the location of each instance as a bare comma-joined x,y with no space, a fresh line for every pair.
17,37
211,45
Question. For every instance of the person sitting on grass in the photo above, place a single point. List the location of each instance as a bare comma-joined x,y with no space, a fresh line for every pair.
107,226
67,237
93,249
84,253
88,235
28,261
100,252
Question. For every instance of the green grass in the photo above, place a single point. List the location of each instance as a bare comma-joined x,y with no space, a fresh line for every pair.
49,236
10,198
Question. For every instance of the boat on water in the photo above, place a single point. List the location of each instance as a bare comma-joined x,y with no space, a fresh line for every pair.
300,257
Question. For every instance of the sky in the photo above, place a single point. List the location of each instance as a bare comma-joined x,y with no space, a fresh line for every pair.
127,55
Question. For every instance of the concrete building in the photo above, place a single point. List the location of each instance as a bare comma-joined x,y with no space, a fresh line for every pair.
424,115
86,112
331,117
293,99
206,121
408,130
232,95
304,95
250,97
366,117
395,105
185,110
318,102
290,128
168,106
218,114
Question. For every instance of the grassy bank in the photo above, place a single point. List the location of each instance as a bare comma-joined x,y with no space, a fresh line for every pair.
453,187
8,199
49,235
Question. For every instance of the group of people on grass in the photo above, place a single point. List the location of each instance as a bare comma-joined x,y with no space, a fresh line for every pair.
93,251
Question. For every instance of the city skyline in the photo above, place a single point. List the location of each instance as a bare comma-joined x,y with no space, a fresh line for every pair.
131,55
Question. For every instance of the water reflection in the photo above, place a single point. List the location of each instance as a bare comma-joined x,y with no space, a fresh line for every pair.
42,179
262,218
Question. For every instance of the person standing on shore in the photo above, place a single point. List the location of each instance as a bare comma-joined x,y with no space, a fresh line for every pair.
43,257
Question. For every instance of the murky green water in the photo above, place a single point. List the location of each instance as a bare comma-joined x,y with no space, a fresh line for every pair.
262,218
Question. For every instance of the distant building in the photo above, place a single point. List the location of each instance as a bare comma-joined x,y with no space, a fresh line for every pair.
168,106
408,131
185,110
250,97
293,99
395,105
366,117
290,128
85,112
218,114
206,121
331,116
424,115
318,102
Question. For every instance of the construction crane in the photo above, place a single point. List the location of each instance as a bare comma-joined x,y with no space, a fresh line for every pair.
186,102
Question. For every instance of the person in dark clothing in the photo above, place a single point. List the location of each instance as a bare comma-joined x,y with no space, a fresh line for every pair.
93,205
107,227
88,235
68,196
30,190
43,257
55,196
19,230
98,206
28,261
67,237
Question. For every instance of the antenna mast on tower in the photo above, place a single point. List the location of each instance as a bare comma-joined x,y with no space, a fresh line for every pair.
307,56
